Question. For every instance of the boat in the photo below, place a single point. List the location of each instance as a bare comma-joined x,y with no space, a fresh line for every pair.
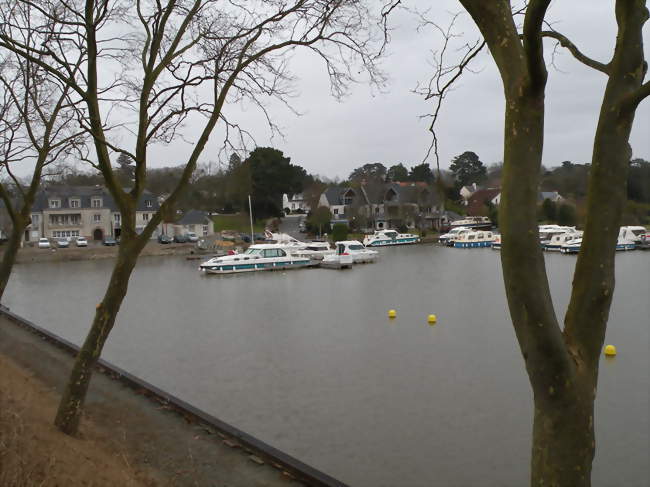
285,240
626,240
556,243
633,233
547,232
644,242
315,250
474,222
338,259
496,243
258,257
382,238
360,254
472,239
451,235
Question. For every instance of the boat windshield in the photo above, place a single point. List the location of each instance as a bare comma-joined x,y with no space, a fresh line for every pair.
250,251
356,247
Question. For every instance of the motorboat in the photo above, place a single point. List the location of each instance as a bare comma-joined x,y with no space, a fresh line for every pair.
451,235
315,250
258,257
360,254
285,240
455,235
472,239
547,232
633,233
644,242
557,241
626,240
339,258
474,222
496,243
383,238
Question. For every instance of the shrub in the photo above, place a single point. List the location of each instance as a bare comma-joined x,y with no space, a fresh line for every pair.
566,215
339,232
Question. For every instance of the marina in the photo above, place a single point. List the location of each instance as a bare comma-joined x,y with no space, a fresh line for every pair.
316,368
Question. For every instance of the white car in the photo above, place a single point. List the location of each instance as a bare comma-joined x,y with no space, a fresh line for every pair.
192,237
43,243
63,243
81,242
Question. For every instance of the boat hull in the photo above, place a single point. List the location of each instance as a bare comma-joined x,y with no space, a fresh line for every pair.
254,267
398,241
468,245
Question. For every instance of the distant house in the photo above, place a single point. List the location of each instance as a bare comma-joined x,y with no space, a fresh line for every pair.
340,200
295,202
477,203
543,195
466,192
86,211
194,221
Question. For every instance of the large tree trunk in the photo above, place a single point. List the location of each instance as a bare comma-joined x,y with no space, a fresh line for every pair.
71,405
9,255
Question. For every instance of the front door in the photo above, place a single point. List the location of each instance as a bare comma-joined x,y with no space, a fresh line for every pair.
98,234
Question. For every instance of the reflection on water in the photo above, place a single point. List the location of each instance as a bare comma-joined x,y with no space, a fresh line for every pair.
308,361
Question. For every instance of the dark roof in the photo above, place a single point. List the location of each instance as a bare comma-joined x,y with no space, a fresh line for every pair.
334,194
85,194
477,201
193,217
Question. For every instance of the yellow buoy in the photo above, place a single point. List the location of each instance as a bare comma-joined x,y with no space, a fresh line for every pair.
392,313
432,319
610,350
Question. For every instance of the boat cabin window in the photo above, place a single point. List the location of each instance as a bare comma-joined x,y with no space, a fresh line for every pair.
392,234
274,253
356,247
250,251
471,237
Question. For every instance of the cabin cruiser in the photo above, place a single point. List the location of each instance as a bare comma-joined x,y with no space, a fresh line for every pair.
285,240
632,233
626,240
559,240
259,257
475,222
547,232
382,238
339,258
451,235
496,243
360,254
315,250
471,239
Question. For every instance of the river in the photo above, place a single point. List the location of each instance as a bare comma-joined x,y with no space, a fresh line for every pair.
308,361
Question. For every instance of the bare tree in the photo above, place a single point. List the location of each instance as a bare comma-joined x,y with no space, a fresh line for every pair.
180,61
36,129
562,363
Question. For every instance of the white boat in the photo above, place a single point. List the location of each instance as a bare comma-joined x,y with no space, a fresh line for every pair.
339,258
626,240
547,232
445,238
315,250
286,241
475,222
633,233
360,254
481,238
496,243
556,242
259,257
383,238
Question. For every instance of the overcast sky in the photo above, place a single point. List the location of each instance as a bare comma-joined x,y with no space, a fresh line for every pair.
333,137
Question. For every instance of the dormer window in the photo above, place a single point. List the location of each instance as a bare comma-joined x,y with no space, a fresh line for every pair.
74,202
55,203
96,202
147,203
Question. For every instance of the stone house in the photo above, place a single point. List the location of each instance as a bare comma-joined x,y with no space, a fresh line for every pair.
86,211
194,221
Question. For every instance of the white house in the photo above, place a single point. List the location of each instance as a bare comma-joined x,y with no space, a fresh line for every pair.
294,203
195,221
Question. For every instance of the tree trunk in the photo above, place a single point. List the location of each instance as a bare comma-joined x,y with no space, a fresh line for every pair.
563,437
9,255
71,405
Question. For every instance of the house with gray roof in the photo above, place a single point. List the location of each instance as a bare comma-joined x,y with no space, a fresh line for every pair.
194,221
86,211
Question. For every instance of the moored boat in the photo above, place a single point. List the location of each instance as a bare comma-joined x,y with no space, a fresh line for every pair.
315,250
496,243
259,257
474,222
556,242
338,259
445,238
360,254
472,239
383,238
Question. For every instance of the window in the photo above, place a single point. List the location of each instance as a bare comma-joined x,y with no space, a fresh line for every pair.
205,230
97,218
147,203
117,217
336,211
74,203
35,219
145,217
55,204
96,203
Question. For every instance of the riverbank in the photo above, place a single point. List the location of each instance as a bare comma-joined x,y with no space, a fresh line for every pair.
127,436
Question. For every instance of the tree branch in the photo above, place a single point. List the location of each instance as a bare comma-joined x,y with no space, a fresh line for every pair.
566,43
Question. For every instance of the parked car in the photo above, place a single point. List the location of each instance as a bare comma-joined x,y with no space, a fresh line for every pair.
180,239
192,237
62,243
81,242
43,243
109,241
164,239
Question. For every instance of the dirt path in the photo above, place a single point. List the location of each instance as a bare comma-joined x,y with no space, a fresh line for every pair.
126,439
